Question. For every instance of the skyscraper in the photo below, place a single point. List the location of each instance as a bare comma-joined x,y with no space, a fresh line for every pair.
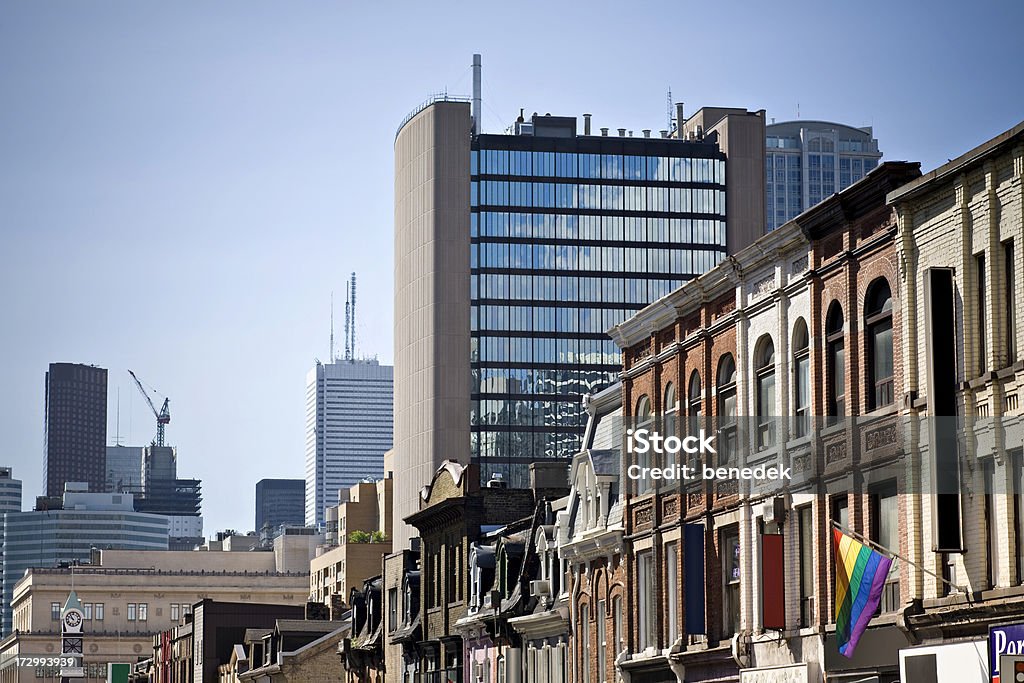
280,501
349,426
76,426
514,253
808,161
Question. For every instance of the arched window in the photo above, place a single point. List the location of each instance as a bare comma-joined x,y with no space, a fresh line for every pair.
764,368
694,396
693,411
725,390
801,379
878,323
835,362
644,420
671,410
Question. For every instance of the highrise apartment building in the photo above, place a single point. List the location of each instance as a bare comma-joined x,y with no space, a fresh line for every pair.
76,426
349,427
280,501
515,252
808,161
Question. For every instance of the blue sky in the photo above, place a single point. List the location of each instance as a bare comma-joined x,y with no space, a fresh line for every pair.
183,184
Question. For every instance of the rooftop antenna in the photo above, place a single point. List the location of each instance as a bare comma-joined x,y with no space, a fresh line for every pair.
353,316
117,420
668,109
332,325
348,321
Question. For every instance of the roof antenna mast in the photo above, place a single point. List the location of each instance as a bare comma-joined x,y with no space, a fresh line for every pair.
348,321
332,326
353,316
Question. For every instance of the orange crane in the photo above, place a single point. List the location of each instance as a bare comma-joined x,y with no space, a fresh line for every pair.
163,416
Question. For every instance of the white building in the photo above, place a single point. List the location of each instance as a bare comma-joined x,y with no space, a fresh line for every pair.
349,426
809,161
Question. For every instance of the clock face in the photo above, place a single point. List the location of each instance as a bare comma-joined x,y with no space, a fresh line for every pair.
73,619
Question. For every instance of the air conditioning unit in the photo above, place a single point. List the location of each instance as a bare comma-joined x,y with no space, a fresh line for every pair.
774,510
539,589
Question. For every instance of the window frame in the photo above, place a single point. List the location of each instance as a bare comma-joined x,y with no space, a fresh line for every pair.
881,392
835,348
764,373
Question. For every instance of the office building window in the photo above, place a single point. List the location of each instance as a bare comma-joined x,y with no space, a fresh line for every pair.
602,644
131,611
1010,301
878,321
726,393
87,611
730,549
764,364
55,611
807,544
143,611
175,612
801,379
835,361
98,611
672,590
618,637
647,607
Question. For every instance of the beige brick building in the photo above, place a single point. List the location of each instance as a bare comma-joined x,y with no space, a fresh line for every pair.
127,596
335,571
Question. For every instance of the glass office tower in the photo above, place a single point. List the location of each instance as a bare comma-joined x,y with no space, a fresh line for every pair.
569,236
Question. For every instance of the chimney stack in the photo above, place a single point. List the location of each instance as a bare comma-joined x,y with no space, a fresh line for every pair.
477,96
586,124
622,132
604,132
647,132
679,119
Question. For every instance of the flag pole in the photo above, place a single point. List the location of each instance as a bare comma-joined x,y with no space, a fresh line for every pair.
882,548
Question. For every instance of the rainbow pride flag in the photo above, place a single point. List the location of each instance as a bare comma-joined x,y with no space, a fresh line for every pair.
860,578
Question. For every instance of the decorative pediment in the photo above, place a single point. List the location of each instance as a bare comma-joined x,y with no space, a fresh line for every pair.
449,482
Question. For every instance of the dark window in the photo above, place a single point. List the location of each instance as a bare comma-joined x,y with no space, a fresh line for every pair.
878,319
801,380
726,392
730,548
670,410
806,520
885,532
835,362
764,365
980,302
1009,287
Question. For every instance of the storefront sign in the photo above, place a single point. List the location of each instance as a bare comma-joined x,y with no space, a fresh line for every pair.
1007,639
796,673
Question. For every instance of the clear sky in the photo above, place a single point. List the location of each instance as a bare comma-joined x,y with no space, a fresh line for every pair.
182,184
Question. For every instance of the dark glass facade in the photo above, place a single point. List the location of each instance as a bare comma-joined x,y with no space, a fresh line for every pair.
570,236
76,427
280,501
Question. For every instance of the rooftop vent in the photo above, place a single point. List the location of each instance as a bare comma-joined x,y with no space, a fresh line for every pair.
604,132
622,132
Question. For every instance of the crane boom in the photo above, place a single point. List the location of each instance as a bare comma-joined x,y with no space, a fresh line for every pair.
163,416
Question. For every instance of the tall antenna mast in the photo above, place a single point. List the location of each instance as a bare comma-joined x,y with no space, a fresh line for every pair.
353,315
348,321
332,327
668,109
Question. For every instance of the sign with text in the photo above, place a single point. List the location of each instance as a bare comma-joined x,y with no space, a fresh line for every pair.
1007,639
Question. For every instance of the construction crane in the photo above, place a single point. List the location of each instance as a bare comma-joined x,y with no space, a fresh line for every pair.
163,416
